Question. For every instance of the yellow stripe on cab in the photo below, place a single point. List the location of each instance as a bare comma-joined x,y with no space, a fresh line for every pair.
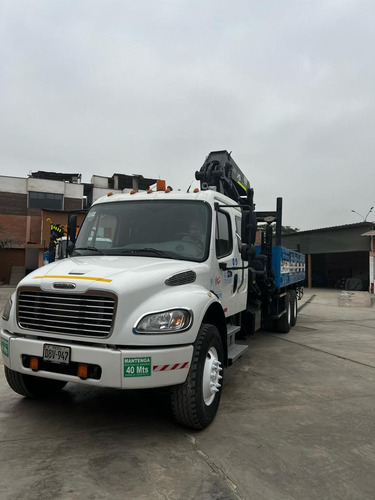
90,278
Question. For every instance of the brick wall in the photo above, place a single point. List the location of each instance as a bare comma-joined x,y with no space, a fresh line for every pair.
72,203
35,230
10,257
14,227
13,203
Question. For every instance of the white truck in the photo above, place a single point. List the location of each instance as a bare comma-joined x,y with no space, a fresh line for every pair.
161,302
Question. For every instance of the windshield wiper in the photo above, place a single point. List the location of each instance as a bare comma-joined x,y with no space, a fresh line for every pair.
93,249
136,251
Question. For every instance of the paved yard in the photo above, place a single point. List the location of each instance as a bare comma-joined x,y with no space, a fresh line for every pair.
296,422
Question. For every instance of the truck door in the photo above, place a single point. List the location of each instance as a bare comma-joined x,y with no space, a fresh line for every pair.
229,285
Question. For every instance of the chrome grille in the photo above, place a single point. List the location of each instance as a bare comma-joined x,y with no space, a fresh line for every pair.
89,315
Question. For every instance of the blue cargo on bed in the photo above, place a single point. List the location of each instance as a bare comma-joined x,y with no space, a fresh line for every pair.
288,265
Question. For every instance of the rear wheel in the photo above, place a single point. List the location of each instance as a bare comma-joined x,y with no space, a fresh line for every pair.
32,387
284,322
196,401
293,307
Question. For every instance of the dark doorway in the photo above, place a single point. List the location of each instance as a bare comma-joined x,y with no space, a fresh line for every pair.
333,270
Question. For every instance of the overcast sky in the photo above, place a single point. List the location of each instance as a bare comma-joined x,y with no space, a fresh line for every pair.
151,87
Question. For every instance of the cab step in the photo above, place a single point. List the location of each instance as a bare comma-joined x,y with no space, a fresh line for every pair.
231,333
235,351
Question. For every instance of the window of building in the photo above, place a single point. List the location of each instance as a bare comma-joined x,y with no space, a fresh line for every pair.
223,235
53,201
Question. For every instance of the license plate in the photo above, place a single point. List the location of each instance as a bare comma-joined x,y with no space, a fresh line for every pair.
56,354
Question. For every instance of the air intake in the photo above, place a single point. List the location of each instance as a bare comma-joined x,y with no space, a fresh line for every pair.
181,278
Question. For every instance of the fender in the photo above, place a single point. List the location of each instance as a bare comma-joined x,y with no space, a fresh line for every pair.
192,297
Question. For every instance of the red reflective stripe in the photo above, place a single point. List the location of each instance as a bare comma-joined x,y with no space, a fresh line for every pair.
176,366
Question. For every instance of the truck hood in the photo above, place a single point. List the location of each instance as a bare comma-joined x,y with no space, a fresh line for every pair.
116,273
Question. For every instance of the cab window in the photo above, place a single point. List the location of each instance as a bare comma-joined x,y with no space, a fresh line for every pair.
238,232
224,243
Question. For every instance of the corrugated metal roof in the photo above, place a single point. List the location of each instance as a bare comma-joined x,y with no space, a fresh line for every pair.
330,228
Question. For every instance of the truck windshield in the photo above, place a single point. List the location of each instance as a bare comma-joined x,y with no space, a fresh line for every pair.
165,229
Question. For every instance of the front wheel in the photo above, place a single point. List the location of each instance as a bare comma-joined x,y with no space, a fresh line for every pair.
196,401
32,387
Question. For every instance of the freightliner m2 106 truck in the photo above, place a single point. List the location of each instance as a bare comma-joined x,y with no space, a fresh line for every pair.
156,291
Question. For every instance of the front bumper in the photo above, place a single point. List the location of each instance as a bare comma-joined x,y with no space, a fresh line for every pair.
120,368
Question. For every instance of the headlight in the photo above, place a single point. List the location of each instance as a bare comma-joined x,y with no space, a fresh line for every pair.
174,321
7,309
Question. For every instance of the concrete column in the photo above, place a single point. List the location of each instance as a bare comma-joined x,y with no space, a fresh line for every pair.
309,269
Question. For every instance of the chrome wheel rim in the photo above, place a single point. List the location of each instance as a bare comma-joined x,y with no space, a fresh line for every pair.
211,376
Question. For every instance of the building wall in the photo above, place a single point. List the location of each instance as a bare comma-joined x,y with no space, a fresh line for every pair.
99,181
33,229
331,240
13,227
45,186
99,192
13,203
31,259
8,259
13,185
24,225
73,204
73,190
17,186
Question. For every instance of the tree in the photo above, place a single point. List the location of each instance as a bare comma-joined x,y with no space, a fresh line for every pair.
284,229
289,230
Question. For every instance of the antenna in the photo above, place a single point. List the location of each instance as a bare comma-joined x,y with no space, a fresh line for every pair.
188,189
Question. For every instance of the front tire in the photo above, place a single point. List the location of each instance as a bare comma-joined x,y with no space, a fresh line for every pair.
196,401
32,387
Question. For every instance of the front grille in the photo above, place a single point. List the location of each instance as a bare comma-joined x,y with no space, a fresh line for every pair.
90,315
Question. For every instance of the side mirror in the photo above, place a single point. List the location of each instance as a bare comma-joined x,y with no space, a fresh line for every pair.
245,252
248,227
72,228
245,222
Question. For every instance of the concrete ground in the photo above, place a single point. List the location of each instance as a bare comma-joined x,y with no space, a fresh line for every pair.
296,421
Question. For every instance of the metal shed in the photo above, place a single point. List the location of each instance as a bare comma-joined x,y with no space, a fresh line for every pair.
336,256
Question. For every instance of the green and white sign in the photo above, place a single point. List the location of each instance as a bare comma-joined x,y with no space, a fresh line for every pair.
5,347
137,367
